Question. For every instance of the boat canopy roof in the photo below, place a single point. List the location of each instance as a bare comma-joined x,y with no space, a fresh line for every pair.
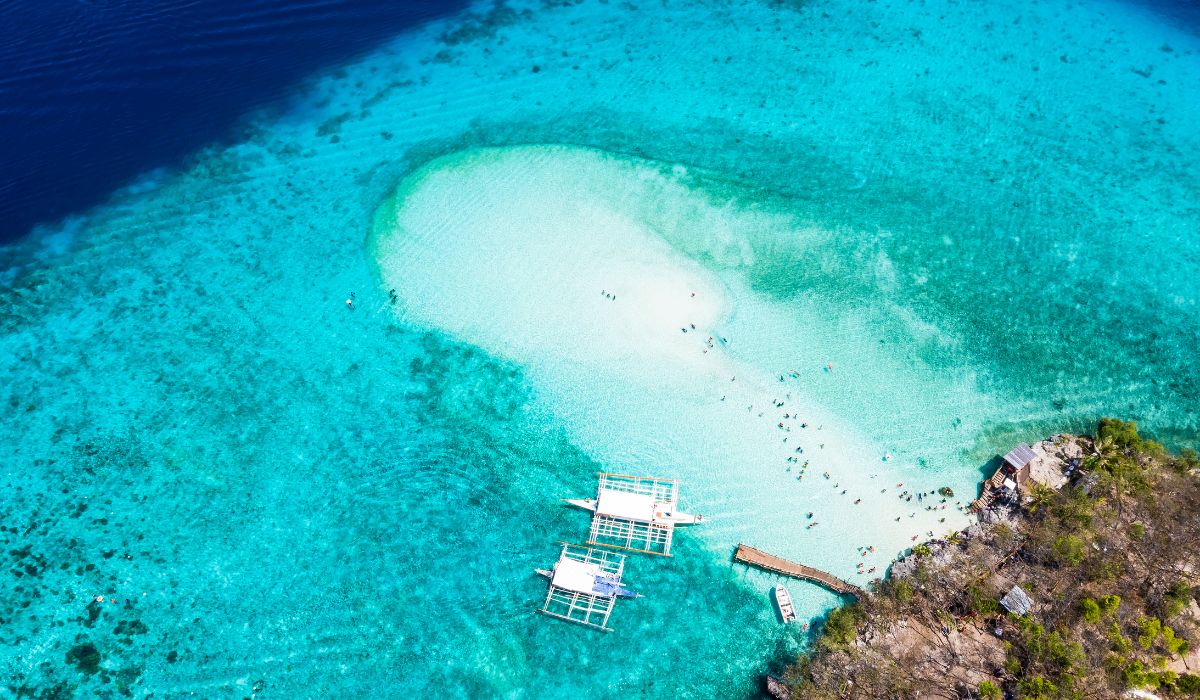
623,504
578,576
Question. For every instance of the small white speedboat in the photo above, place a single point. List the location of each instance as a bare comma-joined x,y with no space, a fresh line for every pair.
659,514
783,601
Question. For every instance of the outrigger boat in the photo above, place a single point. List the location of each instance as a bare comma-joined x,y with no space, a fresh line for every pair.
600,584
635,506
584,585
783,601
637,513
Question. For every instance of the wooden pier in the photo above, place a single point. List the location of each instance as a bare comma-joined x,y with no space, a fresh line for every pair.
756,557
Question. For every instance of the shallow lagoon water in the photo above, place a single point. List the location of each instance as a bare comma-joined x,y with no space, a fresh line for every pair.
983,216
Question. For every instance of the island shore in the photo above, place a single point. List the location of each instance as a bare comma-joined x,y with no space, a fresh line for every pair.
1082,584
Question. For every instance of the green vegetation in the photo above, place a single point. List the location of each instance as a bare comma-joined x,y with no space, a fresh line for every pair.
841,627
989,691
1109,562
1068,550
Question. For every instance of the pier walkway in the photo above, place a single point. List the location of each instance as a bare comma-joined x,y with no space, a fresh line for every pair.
756,557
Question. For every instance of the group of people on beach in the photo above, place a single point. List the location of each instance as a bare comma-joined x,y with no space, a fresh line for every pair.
862,567
788,419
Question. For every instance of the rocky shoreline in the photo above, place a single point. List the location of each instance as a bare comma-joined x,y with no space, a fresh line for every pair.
1050,468
1013,605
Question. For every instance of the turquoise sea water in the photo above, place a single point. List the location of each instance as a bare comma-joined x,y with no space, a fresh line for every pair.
983,216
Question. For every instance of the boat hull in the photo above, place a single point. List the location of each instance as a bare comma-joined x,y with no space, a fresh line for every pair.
674,518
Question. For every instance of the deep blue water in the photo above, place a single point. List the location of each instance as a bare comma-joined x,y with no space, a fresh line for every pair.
94,93
1182,13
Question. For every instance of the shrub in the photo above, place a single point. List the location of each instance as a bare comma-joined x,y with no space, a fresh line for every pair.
1137,532
1109,604
1120,643
1074,507
1134,675
1121,433
841,627
922,550
1150,628
1066,654
1107,570
1123,475
1013,665
1178,596
1188,683
989,691
1069,550
1187,460
1091,610
1173,644
1038,688
983,603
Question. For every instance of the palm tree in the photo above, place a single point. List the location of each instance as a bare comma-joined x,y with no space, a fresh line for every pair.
1040,498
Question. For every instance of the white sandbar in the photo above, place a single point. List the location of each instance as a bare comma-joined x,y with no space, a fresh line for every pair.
552,257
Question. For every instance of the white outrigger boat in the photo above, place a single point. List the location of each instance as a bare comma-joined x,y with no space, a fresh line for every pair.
638,513
588,578
783,601
641,498
635,506
585,584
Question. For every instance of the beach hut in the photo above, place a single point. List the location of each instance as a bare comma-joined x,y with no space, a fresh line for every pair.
584,586
1011,479
638,513
1017,601
1017,464
1016,469
1019,456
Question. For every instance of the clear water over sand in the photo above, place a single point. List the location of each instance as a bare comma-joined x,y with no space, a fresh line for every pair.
983,217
